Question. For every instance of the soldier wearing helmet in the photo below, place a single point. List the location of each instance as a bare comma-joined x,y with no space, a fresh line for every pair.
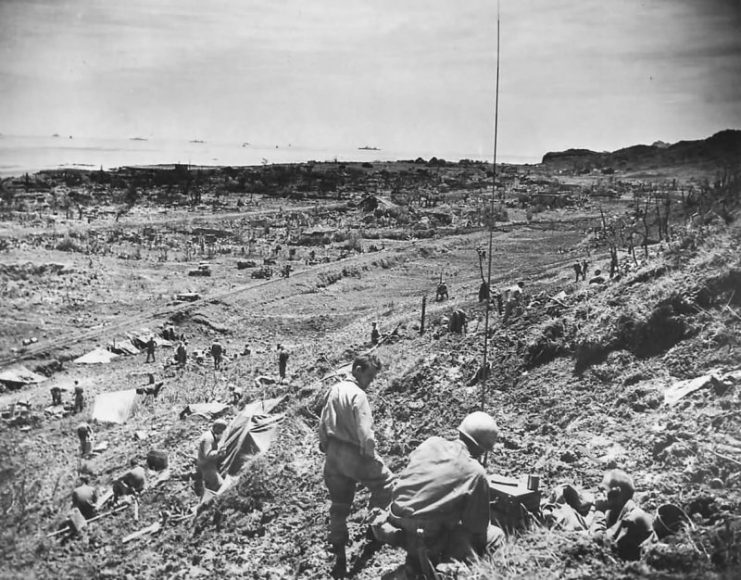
209,455
623,523
441,500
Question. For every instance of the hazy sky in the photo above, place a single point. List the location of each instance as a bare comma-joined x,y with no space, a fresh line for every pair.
398,74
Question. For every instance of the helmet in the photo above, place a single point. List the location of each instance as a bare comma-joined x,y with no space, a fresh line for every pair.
218,425
481,429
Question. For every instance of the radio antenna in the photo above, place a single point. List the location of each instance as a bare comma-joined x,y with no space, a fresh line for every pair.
484,365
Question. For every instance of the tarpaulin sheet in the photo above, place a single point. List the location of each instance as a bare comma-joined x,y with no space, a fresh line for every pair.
96,356
123,346
249,434
114,407
21,375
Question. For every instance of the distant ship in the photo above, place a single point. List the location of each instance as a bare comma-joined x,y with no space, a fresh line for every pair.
196,141
366,148
137,139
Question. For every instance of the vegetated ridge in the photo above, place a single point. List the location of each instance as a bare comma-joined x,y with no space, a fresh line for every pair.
723,148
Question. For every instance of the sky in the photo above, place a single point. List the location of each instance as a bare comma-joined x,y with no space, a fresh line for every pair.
407,75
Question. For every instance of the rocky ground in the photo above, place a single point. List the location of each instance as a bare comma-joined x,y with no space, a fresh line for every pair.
578,385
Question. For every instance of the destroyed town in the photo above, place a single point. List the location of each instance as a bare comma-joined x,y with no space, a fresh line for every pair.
374,368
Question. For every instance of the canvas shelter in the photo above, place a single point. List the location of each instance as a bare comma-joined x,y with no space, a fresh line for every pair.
115,406
124,347
250,434
18,376
96,356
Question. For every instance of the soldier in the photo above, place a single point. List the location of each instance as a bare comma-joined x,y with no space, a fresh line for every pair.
577,269
441,499
181,353
346,436
150,349
79,398
217,352
442,292
282,361
375,335
209,456
56,396
458,322
483,292
132,482
85,433
85,498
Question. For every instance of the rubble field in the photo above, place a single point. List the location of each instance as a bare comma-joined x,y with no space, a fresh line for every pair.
642,372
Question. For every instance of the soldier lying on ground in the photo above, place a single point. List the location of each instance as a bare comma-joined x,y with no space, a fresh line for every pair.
615,517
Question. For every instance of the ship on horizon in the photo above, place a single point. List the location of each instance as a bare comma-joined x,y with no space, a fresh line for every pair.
368,148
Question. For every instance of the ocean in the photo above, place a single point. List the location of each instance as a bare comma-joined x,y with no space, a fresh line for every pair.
25,154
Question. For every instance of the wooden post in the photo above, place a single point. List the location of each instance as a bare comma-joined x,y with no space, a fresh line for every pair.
422,323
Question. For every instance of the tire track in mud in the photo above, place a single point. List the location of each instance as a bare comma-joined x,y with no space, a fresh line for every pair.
283,288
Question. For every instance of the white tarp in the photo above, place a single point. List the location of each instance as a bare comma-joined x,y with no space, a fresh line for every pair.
123,346
114,407
678,390
20,375
96,356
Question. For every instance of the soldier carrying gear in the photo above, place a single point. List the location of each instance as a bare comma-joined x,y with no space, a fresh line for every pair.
440,502
442,292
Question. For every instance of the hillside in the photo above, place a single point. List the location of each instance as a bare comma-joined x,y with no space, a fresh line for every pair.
720,150
578,384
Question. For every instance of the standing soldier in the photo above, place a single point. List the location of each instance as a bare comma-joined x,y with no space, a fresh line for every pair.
375,335
150,349
79,398
56,396
217,351
181,354
282,361
346,436
584,270
577,269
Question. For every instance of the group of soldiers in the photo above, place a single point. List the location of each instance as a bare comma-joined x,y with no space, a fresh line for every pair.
438,507
79,397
